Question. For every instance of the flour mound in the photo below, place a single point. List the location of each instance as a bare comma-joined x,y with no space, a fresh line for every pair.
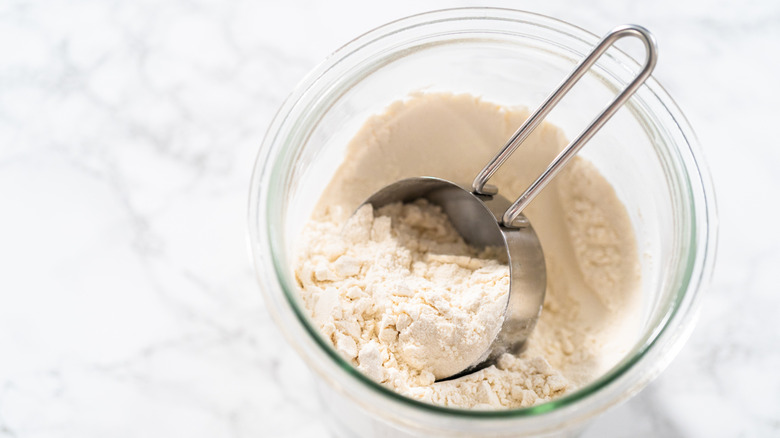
403,287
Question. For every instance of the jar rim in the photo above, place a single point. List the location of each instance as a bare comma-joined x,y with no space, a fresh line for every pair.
697,268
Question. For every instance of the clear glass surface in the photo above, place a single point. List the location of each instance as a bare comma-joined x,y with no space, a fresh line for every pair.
648,152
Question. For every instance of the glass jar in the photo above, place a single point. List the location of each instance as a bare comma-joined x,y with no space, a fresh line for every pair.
648,152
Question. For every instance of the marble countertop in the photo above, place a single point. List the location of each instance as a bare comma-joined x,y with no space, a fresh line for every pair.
128,131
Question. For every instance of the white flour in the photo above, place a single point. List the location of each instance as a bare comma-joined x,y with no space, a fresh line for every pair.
404,289
406,301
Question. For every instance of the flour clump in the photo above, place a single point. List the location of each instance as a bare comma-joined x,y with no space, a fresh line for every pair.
400,286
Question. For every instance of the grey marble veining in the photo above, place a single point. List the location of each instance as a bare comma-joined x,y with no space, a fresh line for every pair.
128,130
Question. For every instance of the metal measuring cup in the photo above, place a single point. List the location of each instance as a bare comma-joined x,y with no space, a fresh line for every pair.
485,218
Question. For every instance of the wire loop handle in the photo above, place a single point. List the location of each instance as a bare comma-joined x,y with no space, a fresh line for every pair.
480,185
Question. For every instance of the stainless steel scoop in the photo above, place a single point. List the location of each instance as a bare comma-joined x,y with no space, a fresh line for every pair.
485,218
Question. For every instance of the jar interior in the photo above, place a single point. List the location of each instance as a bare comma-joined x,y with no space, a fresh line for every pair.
515,65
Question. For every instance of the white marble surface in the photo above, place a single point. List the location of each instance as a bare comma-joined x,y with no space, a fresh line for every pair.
128,130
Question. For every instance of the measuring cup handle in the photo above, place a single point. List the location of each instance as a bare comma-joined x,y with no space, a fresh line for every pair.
513,212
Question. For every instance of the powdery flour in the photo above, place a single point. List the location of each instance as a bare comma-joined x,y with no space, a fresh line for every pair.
406,301
404,288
